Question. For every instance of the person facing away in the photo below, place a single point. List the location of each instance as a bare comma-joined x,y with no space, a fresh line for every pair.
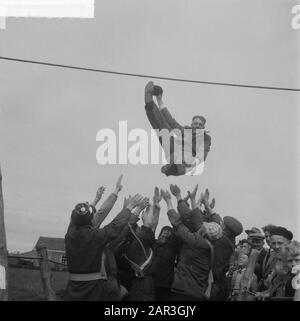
191,275
135,258
190,144
165,252
85,245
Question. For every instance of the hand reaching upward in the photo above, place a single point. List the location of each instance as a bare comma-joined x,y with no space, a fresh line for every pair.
150,217
119,185
192,196
100,192
144,203
157,197
98,196
175,190
134,201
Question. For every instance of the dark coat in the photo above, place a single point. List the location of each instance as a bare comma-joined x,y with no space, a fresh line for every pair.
84,248
140,288
259,263
164,258
193,219
223,250
191,272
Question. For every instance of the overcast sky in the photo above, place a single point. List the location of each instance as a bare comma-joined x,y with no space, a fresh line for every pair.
49,117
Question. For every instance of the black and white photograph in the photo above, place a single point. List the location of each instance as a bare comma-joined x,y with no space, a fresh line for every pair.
149,151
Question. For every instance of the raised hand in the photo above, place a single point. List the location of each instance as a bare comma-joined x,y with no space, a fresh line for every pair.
206,197
192,196
125,202
100,192
167,198
144,203
148,217
157,197
119,185
187,197
175,190
194,192
165,195
212,203
134,201
98,196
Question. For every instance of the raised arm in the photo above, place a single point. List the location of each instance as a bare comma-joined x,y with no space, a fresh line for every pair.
182,206
183,233
113,229
107,205
192,239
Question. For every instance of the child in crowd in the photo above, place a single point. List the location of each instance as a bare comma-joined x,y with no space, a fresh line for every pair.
238,293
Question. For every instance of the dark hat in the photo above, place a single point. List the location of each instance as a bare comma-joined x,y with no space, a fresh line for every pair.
83,214
201,117
267,228
282,231
218,219
232,225
167,227
255,233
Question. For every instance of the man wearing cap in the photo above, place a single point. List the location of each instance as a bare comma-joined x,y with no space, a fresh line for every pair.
256,241
255,238
280,238
232,227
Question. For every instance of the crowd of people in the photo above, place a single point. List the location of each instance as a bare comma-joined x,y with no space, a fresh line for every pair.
196,257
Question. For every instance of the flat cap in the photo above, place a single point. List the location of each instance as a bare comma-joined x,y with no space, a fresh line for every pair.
282,231
234,226
253,230
255,233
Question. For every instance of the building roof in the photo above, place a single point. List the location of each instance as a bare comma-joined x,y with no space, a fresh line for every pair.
29,254
52,243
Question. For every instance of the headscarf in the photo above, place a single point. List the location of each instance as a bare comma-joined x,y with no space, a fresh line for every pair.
212,230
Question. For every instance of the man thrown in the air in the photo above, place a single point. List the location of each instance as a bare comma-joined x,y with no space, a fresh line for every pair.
185,147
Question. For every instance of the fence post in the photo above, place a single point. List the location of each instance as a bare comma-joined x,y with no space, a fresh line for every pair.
46,273
3,250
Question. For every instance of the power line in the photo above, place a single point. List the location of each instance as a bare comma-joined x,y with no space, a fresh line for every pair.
148,76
